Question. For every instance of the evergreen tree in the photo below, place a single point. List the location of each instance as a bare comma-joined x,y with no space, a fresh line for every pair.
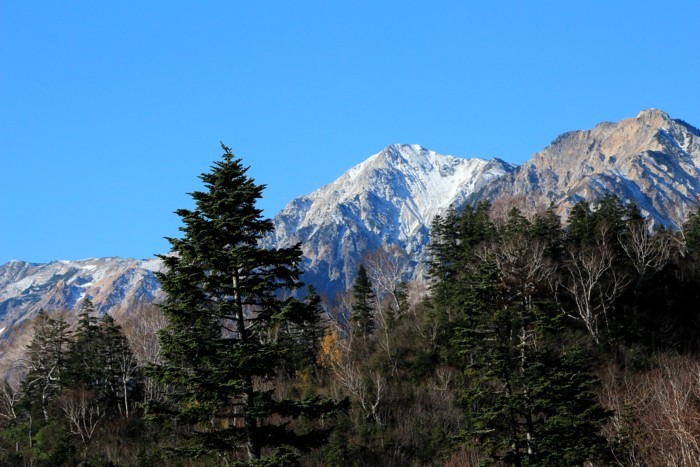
581,230
475,225
453,243
521,388
363,304
46,361
443,265
611,212
571,417
85,359
546,228
691,232
313,327
223,304
302,332
120,368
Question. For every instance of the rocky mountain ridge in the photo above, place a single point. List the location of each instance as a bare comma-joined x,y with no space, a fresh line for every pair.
114,285
650,159
389,199
392,198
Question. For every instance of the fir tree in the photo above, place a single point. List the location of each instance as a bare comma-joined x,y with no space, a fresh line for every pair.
691,232
223,304
85,366
301,334
120,368
520,387
46,362
363,304
581,229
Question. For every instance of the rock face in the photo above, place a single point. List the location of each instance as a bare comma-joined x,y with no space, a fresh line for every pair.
390,199
651,159
113,284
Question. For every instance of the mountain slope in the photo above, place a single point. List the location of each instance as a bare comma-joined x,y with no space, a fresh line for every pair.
390,199
113,284
651,159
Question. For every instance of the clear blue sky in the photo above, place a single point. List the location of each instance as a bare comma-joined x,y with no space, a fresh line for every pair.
110,109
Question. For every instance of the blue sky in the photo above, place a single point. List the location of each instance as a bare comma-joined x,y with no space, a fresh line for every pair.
109,110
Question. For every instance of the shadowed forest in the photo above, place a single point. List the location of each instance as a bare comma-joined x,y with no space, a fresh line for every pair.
532,341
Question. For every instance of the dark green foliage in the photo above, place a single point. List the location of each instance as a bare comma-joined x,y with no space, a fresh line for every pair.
100,361
546,228
363,304
223,305
46,365
519,383
571,416
79,399
83,372
691,232
581,224
302,332
664,301
120,372
454,240
46,360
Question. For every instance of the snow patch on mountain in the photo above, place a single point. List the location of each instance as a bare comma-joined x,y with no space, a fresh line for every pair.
389,199
113,284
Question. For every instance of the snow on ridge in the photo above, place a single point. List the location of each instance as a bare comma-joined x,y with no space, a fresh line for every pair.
390,198
415,183
82,273
356,170
153,264
436,179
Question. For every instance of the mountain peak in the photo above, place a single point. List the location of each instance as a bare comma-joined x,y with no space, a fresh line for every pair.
409,152
654,117
651,159
389,199
405,148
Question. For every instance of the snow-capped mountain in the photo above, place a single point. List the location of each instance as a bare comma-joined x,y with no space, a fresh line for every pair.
392,198
651,159
389,199
113,284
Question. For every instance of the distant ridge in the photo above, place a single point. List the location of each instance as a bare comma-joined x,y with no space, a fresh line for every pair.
391,199
651,159
113,284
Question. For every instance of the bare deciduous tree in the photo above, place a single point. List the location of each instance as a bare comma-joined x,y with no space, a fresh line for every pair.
10,390
366,385
82,411
648,253
656,414
593,283
141,331
386,268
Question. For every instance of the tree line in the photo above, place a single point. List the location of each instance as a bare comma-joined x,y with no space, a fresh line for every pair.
533,343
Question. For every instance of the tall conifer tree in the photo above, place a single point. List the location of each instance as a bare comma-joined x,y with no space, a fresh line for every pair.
85,359
45,363
527,400
363,305
223,302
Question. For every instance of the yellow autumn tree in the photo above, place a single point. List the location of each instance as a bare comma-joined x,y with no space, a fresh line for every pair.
330,352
